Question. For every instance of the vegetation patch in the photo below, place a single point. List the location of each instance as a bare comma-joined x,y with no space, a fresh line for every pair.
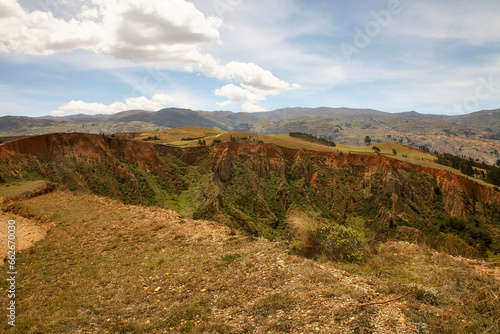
317,238
314,139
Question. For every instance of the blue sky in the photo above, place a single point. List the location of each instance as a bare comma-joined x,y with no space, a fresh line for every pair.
60,57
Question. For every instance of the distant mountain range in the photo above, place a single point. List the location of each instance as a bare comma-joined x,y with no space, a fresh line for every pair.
476,135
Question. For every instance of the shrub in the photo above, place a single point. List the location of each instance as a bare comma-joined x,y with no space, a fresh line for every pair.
312,238
457,223
341,243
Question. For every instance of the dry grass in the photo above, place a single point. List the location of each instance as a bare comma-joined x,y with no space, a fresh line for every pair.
18,189
453,294
110,268
175,136
302,230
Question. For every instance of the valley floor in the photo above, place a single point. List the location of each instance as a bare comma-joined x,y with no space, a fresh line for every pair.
106,267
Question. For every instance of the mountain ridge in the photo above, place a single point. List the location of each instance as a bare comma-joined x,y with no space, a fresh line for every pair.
475,135
274,115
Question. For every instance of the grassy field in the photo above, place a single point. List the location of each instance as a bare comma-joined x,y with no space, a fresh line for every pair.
17,189
106,267
175,136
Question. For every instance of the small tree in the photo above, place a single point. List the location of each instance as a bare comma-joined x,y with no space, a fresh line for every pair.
376,149
394,151
368,140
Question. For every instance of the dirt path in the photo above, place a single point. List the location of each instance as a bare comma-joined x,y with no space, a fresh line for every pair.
27,232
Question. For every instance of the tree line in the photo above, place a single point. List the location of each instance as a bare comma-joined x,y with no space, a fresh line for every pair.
468,166
311,138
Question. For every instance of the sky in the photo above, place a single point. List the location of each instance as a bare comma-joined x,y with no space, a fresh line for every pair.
61,57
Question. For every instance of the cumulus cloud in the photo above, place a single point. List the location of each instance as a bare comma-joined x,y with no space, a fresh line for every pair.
255,82
250,75
236,95
250,107
130,29
139,31
157,102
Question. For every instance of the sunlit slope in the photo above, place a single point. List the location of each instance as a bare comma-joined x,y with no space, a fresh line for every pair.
106,267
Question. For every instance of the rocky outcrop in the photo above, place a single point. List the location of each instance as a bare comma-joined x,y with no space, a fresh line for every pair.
263,158
457,190
75,150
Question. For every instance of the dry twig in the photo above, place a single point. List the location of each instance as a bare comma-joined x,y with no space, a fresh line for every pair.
387,301
492,326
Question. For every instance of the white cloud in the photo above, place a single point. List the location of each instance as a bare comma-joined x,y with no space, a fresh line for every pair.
89,13
135,30
157,102
256,83
249,75
58,112
130,29
237,95
250,107
40,33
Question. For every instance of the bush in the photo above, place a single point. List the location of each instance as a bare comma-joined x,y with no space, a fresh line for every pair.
341,243
467,230
457,223
231,257
313,238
